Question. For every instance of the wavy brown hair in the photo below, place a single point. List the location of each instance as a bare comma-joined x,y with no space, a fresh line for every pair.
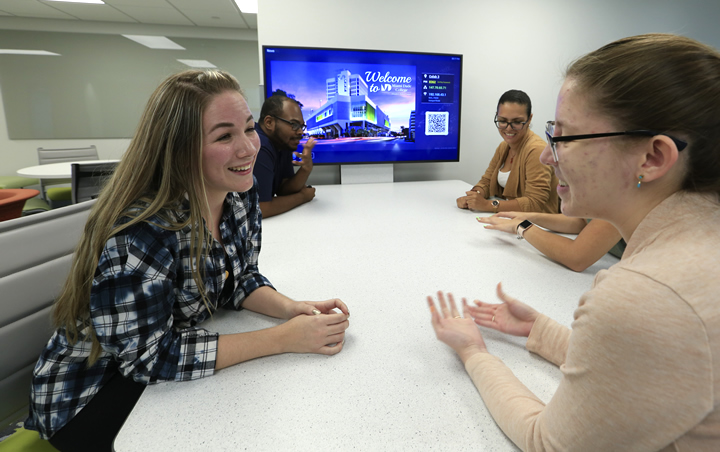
661,82
160,169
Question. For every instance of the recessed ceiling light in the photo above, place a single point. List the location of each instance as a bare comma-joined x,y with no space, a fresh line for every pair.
198,63
98,2
155,42
247,6
26,52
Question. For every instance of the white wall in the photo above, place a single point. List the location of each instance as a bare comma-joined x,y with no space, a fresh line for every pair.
16,154
523,44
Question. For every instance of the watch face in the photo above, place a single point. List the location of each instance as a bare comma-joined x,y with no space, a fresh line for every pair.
495,203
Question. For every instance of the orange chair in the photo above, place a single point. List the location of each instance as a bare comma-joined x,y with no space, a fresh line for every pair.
13,200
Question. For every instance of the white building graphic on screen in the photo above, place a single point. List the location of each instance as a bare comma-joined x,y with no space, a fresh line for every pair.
346,84
348,110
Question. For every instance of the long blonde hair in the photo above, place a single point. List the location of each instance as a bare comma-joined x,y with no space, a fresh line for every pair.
161,167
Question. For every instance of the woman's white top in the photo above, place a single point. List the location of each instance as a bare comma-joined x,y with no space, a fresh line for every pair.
503,178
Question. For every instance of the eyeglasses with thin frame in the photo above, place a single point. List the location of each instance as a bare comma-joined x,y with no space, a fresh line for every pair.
550,132
295,126
515,125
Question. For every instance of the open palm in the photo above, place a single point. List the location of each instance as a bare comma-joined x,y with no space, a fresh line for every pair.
511,316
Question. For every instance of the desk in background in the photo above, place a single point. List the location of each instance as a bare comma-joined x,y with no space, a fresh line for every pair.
381,248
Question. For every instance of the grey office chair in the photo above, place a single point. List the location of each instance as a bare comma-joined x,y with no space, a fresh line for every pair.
58,196
88,179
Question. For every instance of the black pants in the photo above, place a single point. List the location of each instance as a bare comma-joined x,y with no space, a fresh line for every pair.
94,428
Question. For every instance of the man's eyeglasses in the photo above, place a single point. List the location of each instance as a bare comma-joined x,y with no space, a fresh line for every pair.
295,125
550,132
515,125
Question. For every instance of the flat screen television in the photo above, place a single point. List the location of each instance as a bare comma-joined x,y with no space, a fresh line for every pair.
371,106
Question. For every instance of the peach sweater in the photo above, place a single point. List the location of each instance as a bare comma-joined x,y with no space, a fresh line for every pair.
641,365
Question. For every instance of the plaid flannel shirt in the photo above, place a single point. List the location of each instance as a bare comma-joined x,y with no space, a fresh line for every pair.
144,307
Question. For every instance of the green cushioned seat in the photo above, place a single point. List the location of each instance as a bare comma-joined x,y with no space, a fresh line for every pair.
618,249
35,205
17,182
25,441
59,194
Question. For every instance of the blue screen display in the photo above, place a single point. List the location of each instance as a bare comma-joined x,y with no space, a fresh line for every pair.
366,106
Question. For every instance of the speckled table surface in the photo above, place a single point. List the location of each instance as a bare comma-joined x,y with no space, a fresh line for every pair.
381,248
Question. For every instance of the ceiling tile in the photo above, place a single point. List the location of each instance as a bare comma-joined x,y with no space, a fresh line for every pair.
89,11
212,18
155,15
25,8
251,19
214,5
202,13
152,3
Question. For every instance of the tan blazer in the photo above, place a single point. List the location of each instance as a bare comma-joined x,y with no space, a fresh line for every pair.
531,183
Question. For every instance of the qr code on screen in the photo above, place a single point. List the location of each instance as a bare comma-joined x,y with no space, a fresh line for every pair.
436,122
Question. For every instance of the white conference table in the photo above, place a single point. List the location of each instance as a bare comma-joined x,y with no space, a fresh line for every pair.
381,248
61,170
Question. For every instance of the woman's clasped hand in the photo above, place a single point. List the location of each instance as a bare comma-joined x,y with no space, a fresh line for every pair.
316,327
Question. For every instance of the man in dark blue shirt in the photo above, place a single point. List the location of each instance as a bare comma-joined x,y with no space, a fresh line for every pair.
280,129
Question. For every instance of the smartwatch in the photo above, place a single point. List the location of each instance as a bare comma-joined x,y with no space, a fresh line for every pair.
522,227
496,204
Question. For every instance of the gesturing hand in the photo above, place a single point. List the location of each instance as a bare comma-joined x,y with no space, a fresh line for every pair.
451,328
511,316
306,155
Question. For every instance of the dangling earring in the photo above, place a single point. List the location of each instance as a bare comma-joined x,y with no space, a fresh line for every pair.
640,178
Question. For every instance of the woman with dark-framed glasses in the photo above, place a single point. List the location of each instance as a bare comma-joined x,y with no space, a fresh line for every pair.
515,180
634,146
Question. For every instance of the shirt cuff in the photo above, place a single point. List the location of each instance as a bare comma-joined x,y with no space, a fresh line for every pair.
198,354
549,339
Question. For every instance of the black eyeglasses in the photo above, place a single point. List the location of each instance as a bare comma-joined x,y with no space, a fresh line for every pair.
295,126
515,125
550,132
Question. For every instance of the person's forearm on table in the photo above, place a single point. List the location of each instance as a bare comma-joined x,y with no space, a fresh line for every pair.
282,204
296,183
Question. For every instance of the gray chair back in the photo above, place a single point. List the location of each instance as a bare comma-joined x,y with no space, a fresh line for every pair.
88,179
46,156
36,257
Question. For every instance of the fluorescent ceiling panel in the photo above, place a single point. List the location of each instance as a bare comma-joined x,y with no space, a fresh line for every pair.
247,6
198,63
97,2
26,52
155,42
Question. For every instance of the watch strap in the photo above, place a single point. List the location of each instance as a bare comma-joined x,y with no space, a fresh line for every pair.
522,227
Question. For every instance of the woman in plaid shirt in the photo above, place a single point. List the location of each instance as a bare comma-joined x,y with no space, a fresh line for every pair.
174,236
